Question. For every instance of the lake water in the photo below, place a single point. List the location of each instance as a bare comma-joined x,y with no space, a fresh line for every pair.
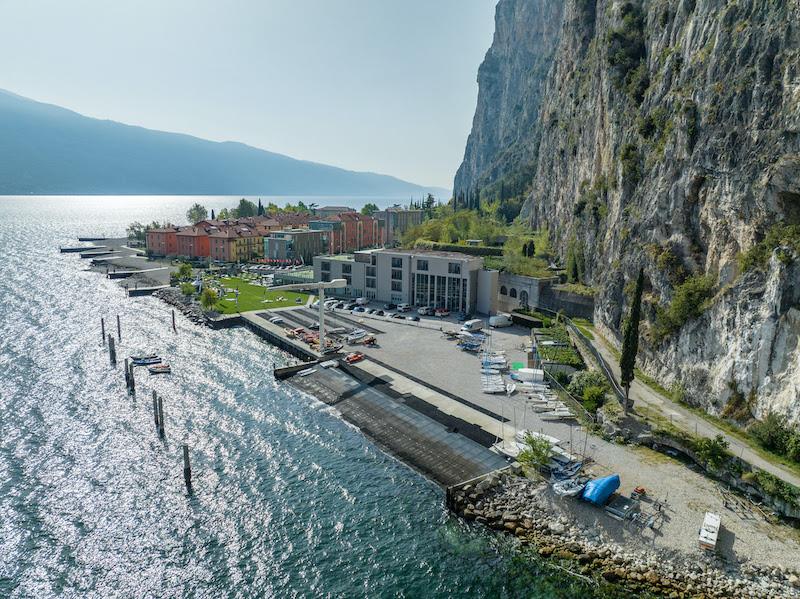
289,501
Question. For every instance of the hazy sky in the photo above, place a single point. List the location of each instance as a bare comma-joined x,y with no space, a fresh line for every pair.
380,85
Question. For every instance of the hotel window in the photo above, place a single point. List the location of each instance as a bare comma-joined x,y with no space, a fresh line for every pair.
503,290
326,277
371,282
326,265
422,290
513,292
397,263
373,260
347,268
422,265
371,271
397,275
454,268
348,279
397,285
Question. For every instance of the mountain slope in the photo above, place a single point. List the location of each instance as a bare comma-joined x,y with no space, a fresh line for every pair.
666,137
45,149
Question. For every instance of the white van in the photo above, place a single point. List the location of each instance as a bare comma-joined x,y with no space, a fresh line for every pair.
403,308
500,320
471,326
362,301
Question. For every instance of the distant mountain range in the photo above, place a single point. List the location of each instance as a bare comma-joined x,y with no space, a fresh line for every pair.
46,149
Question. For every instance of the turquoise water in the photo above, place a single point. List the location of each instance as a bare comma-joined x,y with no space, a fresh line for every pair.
289,501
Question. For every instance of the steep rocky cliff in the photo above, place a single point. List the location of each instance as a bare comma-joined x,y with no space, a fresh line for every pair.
663,135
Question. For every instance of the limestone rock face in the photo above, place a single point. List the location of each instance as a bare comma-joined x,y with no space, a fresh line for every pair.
664,135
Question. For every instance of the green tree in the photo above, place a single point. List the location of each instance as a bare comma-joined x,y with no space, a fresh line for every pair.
630,338
369,209
224,214
136,230
572,264
772,433
212,214
184,271
714,452
260,209
537,452
593,398
196,213
245,209
208,298
187,288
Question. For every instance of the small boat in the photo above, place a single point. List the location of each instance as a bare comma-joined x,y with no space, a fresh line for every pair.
557,415
510,388
307,371
568,488
160,369
356,336
145,360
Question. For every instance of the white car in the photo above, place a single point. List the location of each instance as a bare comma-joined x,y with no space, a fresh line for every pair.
403,308
425,311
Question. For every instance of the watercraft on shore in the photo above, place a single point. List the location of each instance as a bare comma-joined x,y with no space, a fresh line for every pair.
561,414
568,488
160,369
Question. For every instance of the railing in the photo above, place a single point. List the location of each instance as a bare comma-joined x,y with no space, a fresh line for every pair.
604,367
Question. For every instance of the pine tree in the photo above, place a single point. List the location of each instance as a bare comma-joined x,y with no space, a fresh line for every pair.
630,338
572,264
260,211
212,214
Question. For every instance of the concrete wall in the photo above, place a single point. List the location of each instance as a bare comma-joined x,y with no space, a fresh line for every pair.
540,293
488,289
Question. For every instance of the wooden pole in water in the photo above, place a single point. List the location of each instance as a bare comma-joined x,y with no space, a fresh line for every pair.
174,328
187,467
103,329
127,376
160,416
155,408
112,352
119,330
132,387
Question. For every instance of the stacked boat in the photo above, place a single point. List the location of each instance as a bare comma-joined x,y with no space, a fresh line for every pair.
548,405
493,364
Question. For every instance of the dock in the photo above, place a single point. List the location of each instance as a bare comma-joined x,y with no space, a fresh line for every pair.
437,445
141,291
258,322
92,238
124,274
83,248
94,253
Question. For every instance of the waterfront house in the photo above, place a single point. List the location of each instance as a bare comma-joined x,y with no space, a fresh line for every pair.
349,232
193,242
295,245
162,242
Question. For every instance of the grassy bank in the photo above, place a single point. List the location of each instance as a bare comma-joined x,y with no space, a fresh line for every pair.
254,297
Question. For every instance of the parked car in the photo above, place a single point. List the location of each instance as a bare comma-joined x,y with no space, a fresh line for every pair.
362,301
442,312
403,307
424,311
379,313
398,315
464,316
349,306
414,318
339,305
390,314
389,306
473,325
370,310
314,326
359,309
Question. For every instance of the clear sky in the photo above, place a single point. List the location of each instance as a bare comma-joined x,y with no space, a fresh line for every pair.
379,85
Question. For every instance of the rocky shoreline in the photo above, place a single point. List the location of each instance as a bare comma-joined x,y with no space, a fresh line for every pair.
186,305
524,508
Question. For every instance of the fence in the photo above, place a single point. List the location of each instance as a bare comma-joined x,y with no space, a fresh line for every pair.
604,367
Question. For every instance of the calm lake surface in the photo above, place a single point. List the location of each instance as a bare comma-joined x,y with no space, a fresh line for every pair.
289,501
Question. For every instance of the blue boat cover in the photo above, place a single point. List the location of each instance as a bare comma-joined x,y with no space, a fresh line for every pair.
598,491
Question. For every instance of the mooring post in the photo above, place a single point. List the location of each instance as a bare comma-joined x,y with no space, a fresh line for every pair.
127,376
103,329
112,352
131,380
187,467
119,330
160,416
155,408
174,328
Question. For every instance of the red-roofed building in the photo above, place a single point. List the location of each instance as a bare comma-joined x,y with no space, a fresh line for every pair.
193,242
350,231
162,242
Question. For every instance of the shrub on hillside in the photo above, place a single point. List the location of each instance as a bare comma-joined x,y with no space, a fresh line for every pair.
587,378
687,304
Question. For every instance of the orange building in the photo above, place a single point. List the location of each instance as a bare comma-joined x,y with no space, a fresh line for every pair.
193,242
162,242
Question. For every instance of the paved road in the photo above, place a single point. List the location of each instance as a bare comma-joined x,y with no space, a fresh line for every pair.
683,418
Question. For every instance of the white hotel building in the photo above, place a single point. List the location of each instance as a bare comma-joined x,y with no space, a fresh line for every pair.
451,280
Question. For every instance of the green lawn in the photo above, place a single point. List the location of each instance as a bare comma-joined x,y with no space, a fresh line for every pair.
252,297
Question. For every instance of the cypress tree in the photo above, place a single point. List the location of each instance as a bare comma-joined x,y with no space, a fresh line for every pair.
212,214
572,264
630,338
